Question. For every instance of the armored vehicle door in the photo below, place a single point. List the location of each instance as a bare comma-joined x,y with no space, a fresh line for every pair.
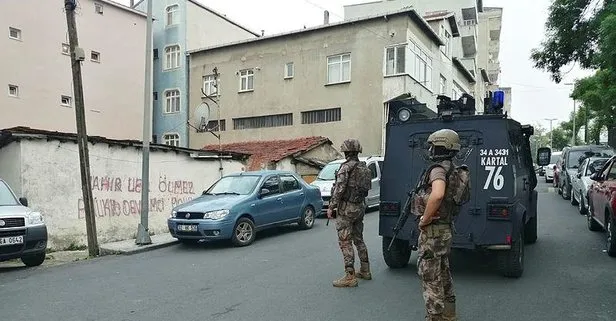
471,142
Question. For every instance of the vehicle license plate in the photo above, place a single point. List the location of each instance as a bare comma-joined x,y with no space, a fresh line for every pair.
11,240
187,228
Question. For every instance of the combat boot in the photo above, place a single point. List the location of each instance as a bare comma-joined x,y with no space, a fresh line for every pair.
364,271
348,280
449,314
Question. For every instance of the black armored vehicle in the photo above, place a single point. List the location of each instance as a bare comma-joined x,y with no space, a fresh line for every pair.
501,215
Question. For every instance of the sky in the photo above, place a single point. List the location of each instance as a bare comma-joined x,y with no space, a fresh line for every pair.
535,97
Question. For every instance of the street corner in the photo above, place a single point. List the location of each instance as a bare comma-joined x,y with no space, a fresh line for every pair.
51,259
129,247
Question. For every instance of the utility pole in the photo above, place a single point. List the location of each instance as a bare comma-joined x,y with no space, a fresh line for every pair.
551,120
216,82
585,124
574,136
77,56
143,235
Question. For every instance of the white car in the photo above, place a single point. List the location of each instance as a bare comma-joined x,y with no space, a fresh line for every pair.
549,169
580,182
325,180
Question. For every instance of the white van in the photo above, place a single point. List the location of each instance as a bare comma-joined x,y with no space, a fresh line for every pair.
325,180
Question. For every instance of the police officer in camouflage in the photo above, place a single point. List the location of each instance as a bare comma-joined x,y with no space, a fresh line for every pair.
350,215
435,226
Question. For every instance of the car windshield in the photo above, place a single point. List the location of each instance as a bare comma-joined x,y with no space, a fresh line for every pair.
6,197
595,166
577,156
328,173
238,185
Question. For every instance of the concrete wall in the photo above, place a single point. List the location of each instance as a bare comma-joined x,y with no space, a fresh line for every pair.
10,167
358,99
51,182
204,28
113,87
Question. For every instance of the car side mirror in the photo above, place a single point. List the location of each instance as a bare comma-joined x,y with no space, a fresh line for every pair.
23,201
543,156
264,191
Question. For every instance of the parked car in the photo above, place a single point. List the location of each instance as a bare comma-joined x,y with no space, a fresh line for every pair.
327,175
239,205
602,204
23,233
550,168
572,158
581,181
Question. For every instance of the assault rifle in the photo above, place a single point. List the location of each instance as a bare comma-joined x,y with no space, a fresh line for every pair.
406,210
331,193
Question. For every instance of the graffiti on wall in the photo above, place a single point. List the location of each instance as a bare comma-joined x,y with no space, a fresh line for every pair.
121,196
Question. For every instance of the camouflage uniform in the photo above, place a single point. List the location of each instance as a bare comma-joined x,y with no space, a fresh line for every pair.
434,245
350,221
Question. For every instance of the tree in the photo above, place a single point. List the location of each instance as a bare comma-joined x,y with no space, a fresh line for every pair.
584,32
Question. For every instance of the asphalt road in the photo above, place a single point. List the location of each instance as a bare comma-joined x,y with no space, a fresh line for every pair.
287,275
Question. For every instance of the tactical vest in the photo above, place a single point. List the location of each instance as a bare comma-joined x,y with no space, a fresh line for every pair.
421,199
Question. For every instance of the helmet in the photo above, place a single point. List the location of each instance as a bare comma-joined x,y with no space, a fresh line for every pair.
445,138
351,145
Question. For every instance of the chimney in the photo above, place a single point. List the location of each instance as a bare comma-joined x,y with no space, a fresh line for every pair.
326,17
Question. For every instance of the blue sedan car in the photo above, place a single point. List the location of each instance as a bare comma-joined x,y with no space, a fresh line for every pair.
239,205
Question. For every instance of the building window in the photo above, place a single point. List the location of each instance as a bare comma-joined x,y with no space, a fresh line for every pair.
13,90
172,139
446,49
247,82
172,56
395,61
172,14
172,101
98,8
263,121
14,33
321,116
420,66
289,70
339,68
212,125
209,85
95,56
66,49
442,85
66,101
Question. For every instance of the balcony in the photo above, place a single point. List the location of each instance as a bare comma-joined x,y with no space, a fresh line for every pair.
494,71
468,34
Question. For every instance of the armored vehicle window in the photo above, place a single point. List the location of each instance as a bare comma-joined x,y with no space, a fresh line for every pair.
372,168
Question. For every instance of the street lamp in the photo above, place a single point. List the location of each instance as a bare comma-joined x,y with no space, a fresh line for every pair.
573,136
551,120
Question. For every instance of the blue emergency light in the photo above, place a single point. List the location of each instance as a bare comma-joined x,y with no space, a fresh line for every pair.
498,99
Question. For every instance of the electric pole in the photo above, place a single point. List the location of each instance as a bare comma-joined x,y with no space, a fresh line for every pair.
77,56
551,120
143,235
573,138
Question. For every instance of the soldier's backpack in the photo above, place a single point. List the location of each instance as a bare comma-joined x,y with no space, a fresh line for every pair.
457,192
360,183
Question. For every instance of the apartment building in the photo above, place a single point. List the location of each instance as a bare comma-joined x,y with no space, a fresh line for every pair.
36,67
331,80
180,26
472,48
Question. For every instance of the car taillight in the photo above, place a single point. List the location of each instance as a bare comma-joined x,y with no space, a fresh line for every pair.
498,212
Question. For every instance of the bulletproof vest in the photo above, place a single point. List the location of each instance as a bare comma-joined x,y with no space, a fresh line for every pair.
420,201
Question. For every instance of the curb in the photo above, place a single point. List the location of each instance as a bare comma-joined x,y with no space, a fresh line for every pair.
141,249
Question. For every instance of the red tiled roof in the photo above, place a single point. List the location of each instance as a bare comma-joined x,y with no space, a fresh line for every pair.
263,152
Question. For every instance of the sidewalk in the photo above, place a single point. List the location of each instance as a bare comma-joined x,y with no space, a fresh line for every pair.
128,247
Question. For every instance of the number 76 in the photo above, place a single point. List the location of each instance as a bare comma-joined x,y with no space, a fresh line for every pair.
497,179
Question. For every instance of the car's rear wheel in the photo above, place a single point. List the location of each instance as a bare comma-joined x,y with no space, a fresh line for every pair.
399,255
34,260
511,262
590,221
244,232
307,220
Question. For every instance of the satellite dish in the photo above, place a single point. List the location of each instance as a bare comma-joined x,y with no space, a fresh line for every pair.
202,116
